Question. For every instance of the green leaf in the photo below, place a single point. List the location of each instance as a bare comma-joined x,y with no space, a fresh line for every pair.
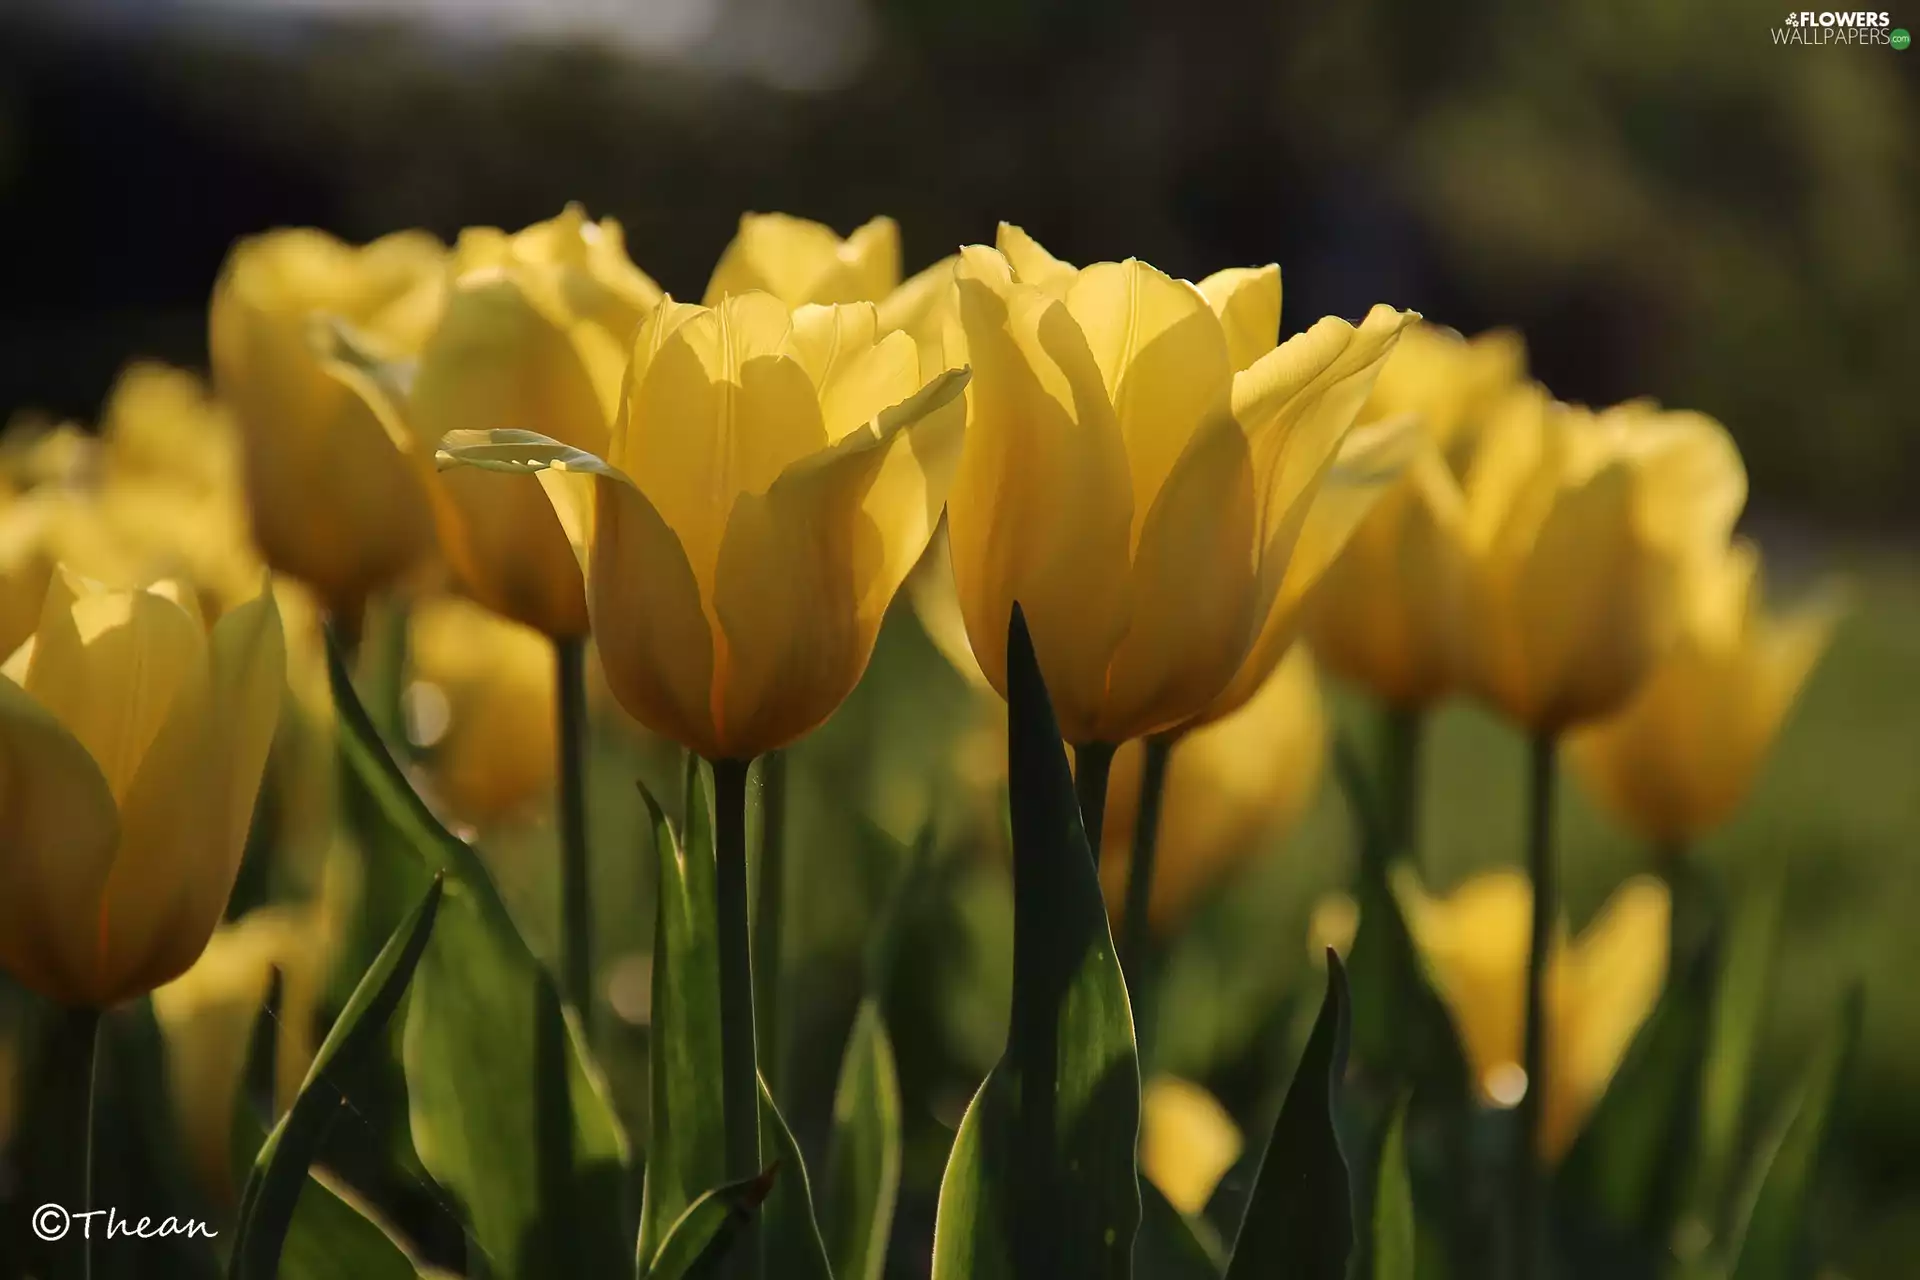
1299,1220
1628,1165
699,1239
686,1133
1041,1180
790,1234
279,1177
506,1108
1395,1238
513,450
1172,1246
334,1237
1771,1239
1739,1004
863,1162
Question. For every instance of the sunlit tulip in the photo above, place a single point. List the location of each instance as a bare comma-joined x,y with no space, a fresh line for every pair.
1599,988
772,477
482,705
1228,785
535,337
1139,466
1579,530
1385,614
798,261
208,1014
1684,752
299,322
134,739
1187,1141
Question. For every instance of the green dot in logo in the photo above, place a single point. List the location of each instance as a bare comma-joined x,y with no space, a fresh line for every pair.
1899,38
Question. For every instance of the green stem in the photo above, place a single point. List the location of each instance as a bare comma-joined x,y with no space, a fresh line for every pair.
739,1072
576,872
1405,735
87,1037
1690,904
769,909
1136,934
1530,1176
1092,763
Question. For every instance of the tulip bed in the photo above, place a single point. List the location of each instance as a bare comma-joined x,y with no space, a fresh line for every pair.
349,933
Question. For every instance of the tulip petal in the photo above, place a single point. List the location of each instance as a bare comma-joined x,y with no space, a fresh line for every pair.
1032,264
508,549
1042,509
185,818
1247,300
58,833
649,623
927,309
1614,972
799,261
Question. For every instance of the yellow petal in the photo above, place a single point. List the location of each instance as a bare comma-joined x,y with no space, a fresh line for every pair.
927,309
1615,970
58,832
184,821
1187,1142
799,261
1041,510
1033,265
509,551
1247,300
649,623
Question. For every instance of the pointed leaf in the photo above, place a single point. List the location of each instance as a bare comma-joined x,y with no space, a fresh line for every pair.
1395,1240
1299,1221
334,1237
1172,1246
1041,1181
790,1233
863,1162
698,1241
1740,1001
279,1175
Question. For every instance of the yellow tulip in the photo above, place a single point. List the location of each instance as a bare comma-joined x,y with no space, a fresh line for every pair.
1228,784
207,1018
132,746
483,705
1599,988
1579,528
798,261
334,477
772,477
1139,465
1385,613
1187,1141
1684,752
534,337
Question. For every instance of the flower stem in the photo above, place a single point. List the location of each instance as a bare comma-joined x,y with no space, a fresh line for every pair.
739,1072
87,1040
1136,936
1405,734
576,874
1092,762
769,907
1529,1175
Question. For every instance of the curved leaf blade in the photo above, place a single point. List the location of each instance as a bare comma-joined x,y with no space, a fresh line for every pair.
698,1241
863,1162
1395,1239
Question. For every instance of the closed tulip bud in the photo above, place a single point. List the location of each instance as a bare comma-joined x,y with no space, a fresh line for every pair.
1247,776
1140,463
1187,1141
133,744
1683,754
334,479
1599,988
1579,528
1386,612
534,338
772,477
798,261
482,705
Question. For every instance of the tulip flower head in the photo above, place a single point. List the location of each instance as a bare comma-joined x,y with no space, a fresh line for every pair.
1140,463
1187,1141
134,738
1683,754
1580,528
800,262
772,476
335,488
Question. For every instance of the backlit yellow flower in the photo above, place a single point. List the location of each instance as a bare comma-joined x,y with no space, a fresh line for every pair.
534,338
1228,785
1385,614
1187,1141
1579,529
132,740
1599,989
1684,752
798,261
333,475
1139,466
